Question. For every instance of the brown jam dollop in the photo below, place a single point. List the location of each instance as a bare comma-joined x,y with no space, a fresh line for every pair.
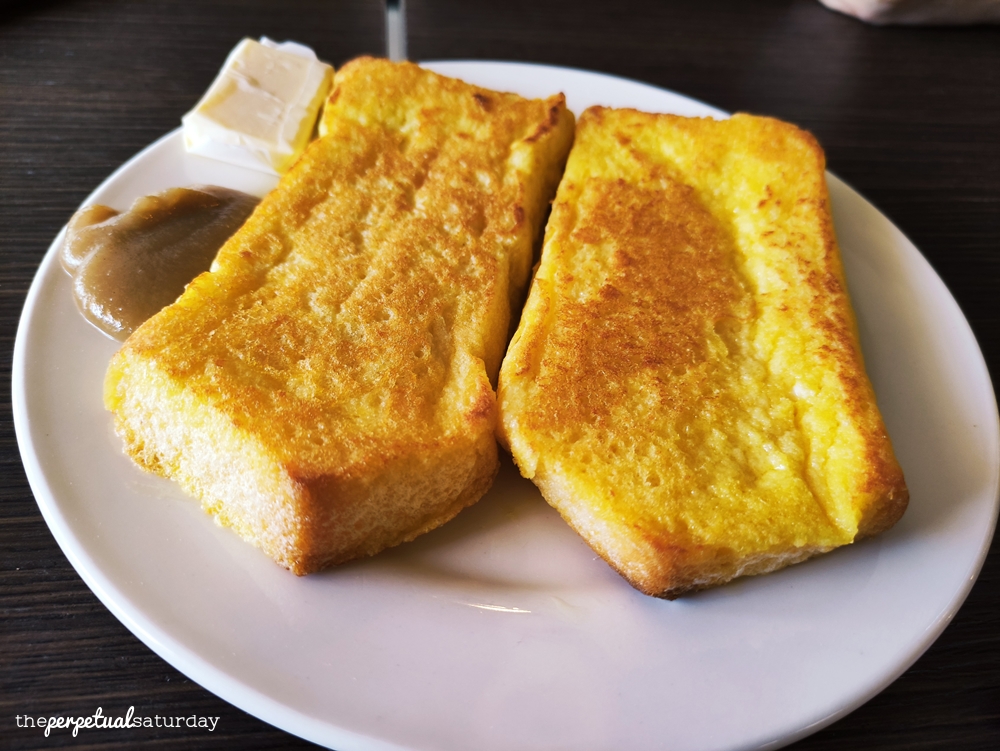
128,266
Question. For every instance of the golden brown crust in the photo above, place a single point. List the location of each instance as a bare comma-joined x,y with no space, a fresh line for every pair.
325,388
686,385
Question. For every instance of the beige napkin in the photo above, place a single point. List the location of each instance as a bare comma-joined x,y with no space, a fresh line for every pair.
919,11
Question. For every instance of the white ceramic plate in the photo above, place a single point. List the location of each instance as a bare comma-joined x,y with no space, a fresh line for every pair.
502,630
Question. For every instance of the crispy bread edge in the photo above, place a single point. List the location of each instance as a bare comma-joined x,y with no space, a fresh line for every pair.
304,523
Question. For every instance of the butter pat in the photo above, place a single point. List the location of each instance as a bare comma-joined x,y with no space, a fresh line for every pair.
261,109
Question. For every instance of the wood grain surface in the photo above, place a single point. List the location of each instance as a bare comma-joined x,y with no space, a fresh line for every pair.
910,117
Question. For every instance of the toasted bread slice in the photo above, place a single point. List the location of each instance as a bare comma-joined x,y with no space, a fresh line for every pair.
686,385
325,389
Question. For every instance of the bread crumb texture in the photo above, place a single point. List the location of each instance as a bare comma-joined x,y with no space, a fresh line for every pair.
325,389
686,385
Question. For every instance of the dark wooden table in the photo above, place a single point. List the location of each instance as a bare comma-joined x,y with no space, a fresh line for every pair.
909,117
